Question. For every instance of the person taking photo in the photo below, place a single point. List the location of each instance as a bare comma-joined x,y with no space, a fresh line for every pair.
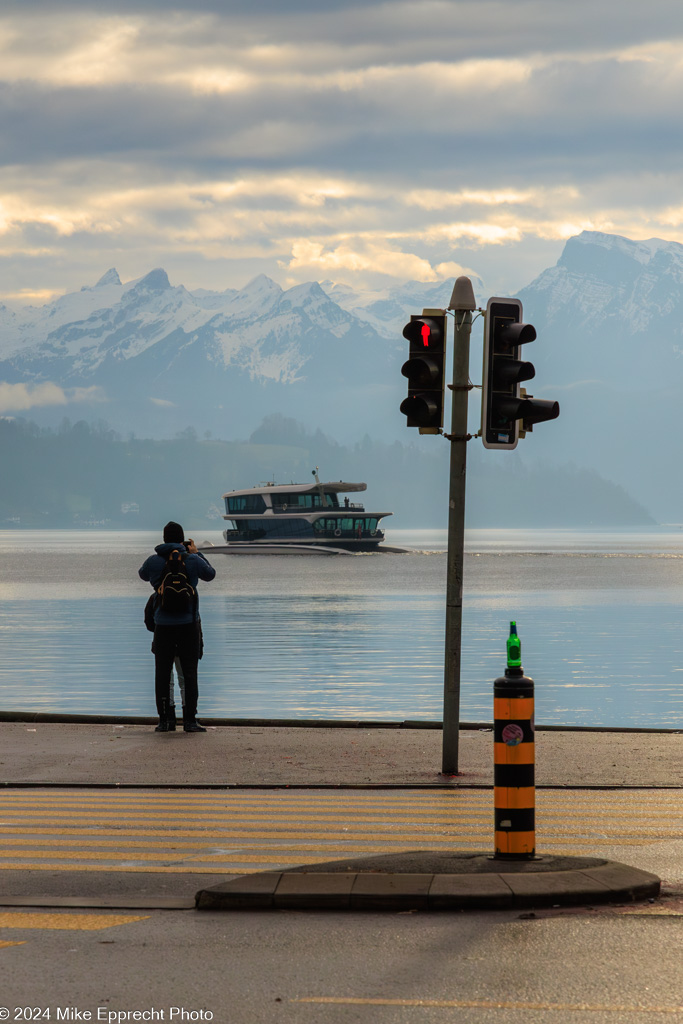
174,570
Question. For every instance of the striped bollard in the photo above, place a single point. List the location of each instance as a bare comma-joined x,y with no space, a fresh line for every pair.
513,744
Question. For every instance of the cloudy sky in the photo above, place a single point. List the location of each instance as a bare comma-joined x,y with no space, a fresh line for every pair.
369,142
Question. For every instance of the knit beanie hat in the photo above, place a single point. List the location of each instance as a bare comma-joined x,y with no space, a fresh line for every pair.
173,533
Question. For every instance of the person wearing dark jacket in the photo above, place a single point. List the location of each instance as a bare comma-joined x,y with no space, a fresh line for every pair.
176,634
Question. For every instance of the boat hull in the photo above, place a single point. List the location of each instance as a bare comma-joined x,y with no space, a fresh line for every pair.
272,548
256,548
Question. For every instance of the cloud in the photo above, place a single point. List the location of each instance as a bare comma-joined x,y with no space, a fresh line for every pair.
196,87
21,397
388,138
374,258
26,295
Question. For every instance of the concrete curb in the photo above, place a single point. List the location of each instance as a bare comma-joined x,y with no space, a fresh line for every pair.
57,718
492,885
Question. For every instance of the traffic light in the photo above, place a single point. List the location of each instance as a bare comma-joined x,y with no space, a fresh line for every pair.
425,370
503,407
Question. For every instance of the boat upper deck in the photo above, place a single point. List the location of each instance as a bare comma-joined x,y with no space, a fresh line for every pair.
278,489
291,499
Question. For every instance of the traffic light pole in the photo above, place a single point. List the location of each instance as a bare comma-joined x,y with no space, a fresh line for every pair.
462,303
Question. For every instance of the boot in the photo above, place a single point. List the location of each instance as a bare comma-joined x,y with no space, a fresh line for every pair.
163,725
190,723
171,719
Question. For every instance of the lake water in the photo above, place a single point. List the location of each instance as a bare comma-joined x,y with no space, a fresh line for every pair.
599,616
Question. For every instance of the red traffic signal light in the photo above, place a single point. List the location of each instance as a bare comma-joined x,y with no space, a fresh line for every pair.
425,370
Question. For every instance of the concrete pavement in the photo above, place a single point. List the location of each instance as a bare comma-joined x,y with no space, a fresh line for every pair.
42,749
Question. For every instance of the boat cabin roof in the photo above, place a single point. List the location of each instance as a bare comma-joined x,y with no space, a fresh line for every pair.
329,488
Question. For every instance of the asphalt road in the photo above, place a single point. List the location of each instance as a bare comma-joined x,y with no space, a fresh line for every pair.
306,968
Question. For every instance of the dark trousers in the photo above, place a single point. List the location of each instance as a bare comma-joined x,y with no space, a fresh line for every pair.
171,642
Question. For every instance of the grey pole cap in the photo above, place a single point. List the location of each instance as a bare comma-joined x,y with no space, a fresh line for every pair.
463,295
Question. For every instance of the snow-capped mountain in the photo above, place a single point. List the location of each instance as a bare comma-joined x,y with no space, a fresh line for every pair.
621,292
157,356
79,332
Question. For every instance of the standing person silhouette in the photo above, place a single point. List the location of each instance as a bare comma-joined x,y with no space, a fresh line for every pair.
176,631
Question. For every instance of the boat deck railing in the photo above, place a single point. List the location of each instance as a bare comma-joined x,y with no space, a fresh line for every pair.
318,508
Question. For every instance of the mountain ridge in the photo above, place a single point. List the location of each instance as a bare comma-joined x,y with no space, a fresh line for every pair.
152,357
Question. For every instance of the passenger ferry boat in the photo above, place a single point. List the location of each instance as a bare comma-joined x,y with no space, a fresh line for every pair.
299,519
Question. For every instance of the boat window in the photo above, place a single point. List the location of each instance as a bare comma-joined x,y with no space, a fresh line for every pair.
281,502
245,503
245,530
281,527
285,501
343,526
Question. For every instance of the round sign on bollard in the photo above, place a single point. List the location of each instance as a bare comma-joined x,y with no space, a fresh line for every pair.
514,792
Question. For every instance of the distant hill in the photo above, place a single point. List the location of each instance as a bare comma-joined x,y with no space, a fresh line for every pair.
80,476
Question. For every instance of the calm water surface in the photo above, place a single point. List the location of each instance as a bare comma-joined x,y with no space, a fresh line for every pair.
599,616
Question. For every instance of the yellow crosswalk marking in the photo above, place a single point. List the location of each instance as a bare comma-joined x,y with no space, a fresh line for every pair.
488,1004
376,820
362,809
239,832
70,922
447,835
343,798
144,869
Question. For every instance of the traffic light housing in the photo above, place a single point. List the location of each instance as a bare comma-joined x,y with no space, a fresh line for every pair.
425,370
503,407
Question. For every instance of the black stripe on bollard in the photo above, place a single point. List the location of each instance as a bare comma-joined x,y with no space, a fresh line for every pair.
513,686
515,775
528,735
515,819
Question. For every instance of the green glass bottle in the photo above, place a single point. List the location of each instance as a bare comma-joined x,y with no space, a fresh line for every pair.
514,648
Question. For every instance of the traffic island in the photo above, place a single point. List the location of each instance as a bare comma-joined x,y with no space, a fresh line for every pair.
433,880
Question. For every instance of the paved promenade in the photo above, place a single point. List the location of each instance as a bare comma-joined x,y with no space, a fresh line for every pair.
258,753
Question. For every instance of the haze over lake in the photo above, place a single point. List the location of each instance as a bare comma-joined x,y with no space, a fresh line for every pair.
356,637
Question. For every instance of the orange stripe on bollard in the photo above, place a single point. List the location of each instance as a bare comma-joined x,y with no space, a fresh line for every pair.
513,707
506,797
516,845
523,753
